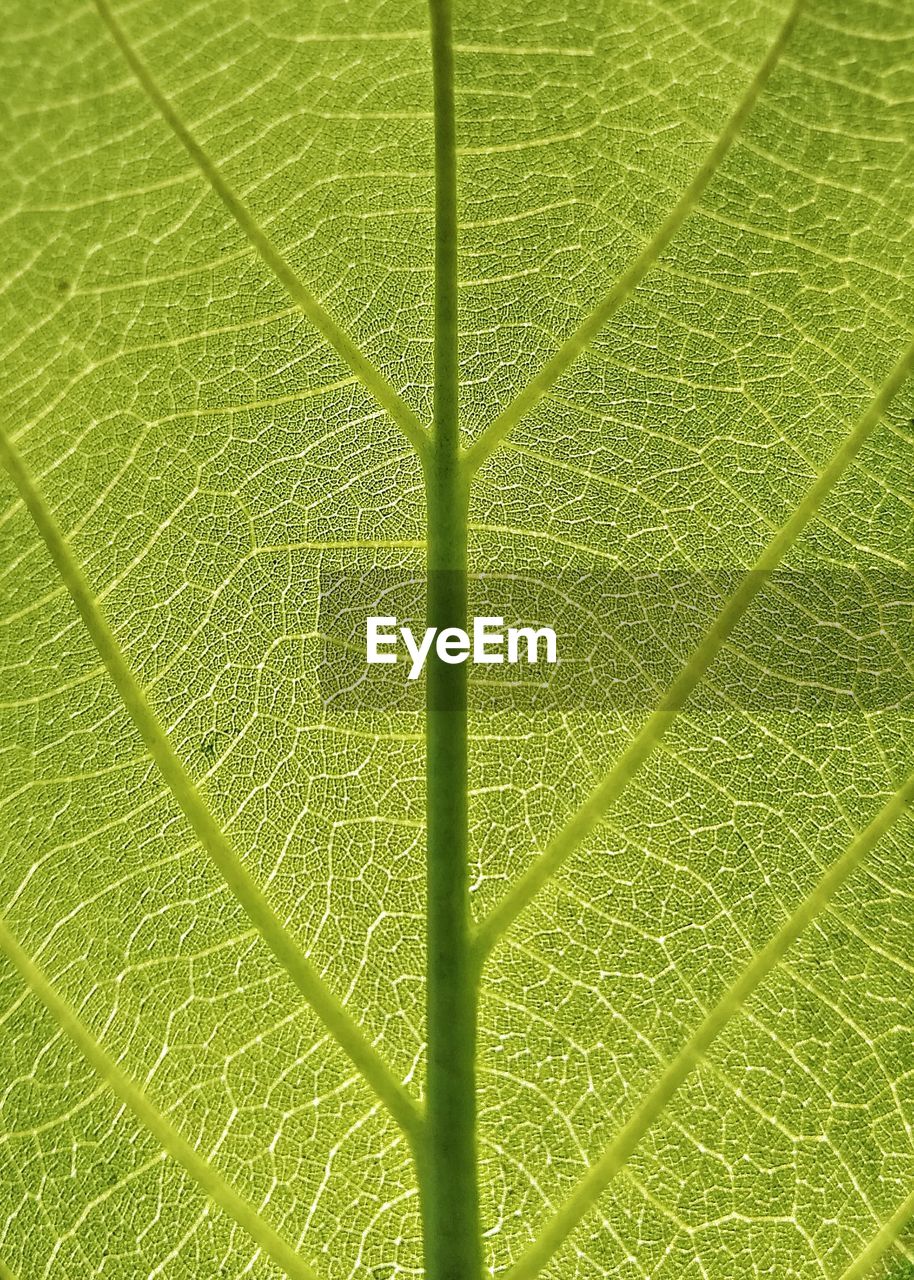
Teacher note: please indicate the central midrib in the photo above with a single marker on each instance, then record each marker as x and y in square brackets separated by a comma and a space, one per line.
[448, 1167]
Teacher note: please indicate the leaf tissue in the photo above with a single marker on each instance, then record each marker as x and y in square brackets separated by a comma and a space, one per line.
[594, 318]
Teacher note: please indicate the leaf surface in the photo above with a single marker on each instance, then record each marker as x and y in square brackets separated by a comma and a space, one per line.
[219, 472]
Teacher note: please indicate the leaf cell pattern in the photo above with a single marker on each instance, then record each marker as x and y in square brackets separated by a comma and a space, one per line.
[630, 286]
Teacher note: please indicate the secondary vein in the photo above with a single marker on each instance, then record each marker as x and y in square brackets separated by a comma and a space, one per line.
[881, 1242]
[332, 1014]
[132, 1095]
[622, 290]
[588, 816]
[598, 1177]
[370, 376]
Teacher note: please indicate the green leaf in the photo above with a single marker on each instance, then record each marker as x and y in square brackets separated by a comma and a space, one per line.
[599, 317]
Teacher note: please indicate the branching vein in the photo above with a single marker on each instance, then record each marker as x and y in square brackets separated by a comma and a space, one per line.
[881, 1242]
[589, 815]
[370, 376]
[132, 1095]
[442, 1134]
[598, 1177]
[622, 290]
[211, 836]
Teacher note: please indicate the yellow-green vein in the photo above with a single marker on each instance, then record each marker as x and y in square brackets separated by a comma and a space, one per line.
[368, 374]
[598, 1177]
[588, 816]
[881, 1242]
[622, 290]
[213, 839]
[131, 1094]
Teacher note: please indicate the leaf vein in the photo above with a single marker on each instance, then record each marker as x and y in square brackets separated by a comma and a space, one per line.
[590, 814]
[370, 376]
[213, 839]
[618, 1152]
[134, 1097]
[622, 290]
